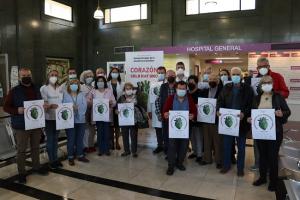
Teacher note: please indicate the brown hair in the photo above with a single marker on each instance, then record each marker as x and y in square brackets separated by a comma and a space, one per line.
[72, 82]
[128, 84]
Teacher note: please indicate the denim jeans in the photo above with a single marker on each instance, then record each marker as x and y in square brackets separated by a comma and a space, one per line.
[52, 140]
[227, 148]
[75, 140]
[103, 133]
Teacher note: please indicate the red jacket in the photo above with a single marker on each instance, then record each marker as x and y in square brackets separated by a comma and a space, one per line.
[169, 105]
[279, 85]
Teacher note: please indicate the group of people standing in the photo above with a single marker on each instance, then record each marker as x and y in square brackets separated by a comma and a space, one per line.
[177, 92]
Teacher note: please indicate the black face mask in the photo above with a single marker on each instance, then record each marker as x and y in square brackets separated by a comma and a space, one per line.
[212, 84]
[171, 79]
[191, 86]
[26, 80]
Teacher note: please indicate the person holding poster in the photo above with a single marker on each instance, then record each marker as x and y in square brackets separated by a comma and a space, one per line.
[75, 135]
[103, 130]
[178, 147]
[269, 149]
[180, 68]
[196, 135]
[72, 75]
[52, 96]
[129, 97]
[238, 96]
[14, 105]
[116, 85]
[154, 91]
[212, 140]
[166, 89]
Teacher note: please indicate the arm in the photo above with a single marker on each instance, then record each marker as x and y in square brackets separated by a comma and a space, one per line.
[284, 107]
[283, 89]
[112, 99]
[82, 104]
[221, 100]
[8, 105]
[167, 105]
[193, 108]
[157, 109]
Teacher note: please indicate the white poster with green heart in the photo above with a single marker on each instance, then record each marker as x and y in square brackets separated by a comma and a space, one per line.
[126, 114]
[207, 110]
[263, 124]
[101, 110]
[229, 122]
[64, 116]
[179, 124]
[34, 114]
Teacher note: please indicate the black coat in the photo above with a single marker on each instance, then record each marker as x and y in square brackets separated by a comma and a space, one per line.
[163, 94]
[278, 103]
[246, 101]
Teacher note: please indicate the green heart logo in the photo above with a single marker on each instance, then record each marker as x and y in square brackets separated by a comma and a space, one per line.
[228, 121]
[178, 123]
[206, 109]
[263, 123]
[64, 114]
[34, 113]
[126, 112]
[101, 109]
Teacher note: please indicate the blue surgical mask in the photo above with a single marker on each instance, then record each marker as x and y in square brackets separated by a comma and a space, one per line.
[236, 79]
[100, 85]
[74, 87]
[161, 77]
[180, 93]
[205, 77]
[89, 80]
[114, 75]
[224, 78]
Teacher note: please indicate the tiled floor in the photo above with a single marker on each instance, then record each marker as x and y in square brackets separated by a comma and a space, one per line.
[146, 170]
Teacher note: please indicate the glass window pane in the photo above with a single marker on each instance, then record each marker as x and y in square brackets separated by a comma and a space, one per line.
[192, 7]
[211, 6]
[248, 5]
[144, 11]
[127, 13]
[107, 16]
[58, 10]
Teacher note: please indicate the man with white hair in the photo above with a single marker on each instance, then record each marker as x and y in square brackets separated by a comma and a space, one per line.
[279, 86]
[239, 96]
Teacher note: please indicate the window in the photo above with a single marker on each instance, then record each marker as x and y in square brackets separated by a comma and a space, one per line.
[58, 10]
[194, 7]
[128, 13]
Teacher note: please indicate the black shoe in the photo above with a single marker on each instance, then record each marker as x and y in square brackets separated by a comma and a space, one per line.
[233, 160]
[272, 187]
[198, 159]
[135, 155]
[107, 154]
[71, 162]
[83, 159]
[59, 164]
[100, 154]
[22, 179]
[41, 171]
[192, 156]
[166, 158]
[204, 163]
[181, 167]
[259, 182]
[224, 170]
[53, 165]
[125, 154]
[170, 171]
[158, 150]
[219, 166]
[240, 173]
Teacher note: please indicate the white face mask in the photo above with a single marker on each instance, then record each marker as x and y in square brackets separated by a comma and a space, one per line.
[263, 71]
[180, 71]
[128, 92]
[53, 80]
[267, 87]
[161, 77]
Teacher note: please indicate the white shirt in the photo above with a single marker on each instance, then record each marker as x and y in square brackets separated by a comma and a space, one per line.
[51, 95]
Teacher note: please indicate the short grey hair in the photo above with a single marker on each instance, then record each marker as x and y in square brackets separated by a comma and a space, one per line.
[236, 68]
[262, 59]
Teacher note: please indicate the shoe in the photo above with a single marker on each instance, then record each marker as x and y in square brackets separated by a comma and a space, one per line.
[259, 182]
[41, 171]
[192, 156]
[204, 163]
[83, 159]
[53, 165]
[254, 168]
[224, 170]
[91, 150]
[166, 158]
[170, 171]
[272, 187]
[125, 154]
[59, 164]
[233, 160]
[198, 159]
[181, 167]
[118, 147]
[86, 150]
[240, 173]
[22, 179]
[135, 155]
[158, 150]
[219, 166]
[108, 153]
[100, 154]
[71, 162]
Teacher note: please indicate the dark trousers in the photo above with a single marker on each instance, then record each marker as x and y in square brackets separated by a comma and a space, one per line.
[132, 131]
[268, 159]
[75, 140]
[22, 138]
[159, 137]
[177, 151]
[52, 140]
[103, 132]
[165, 133]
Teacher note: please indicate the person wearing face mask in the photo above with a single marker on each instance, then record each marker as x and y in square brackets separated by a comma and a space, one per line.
[180, 68]
[75, 135]
[269, 149]
[14, 105]
[166, 89]
[279, 85]
[52, 96]
[161, 78]
[178, 147]
[72, 75]
[196, 136]
[86, 79]
[239, 96]
[116, 85]
[204, 83]
[129, 97]
[103, 130]
[212, 140]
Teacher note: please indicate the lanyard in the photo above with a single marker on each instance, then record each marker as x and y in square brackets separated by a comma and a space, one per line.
[74, 101]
